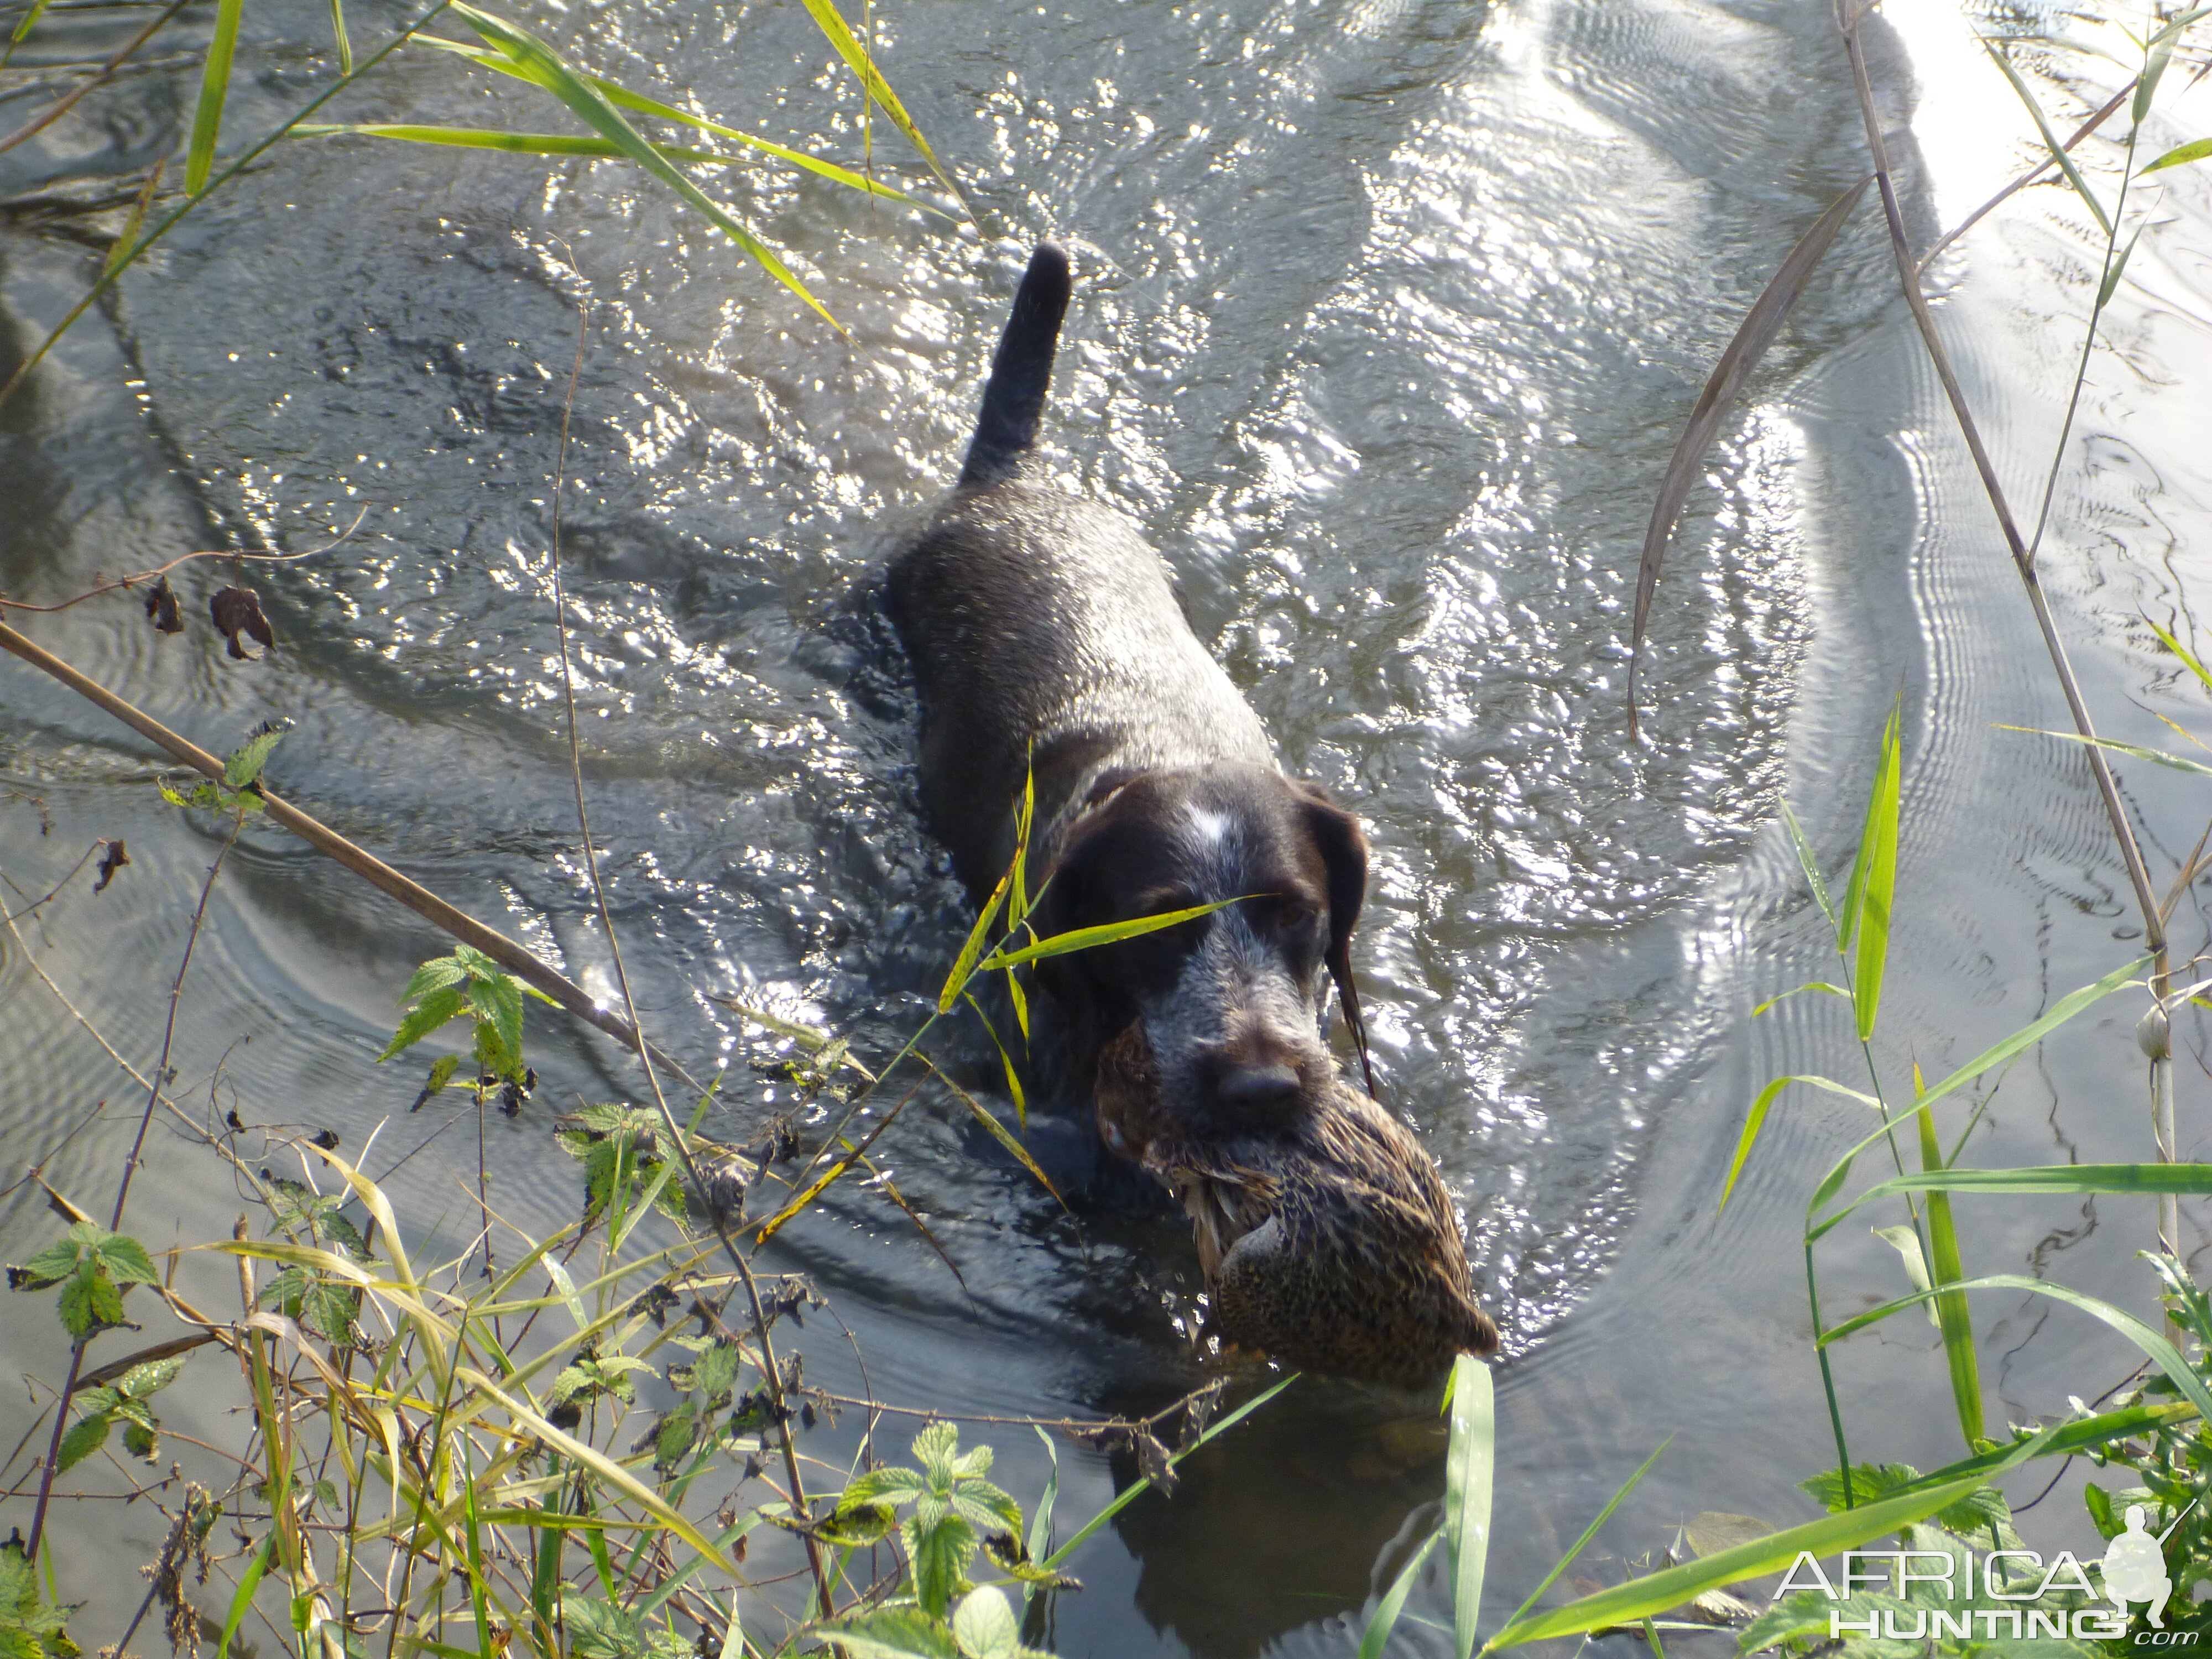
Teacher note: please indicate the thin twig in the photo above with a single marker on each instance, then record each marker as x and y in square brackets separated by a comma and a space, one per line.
[771, 1372]
[122, 1187]
[160, 570]
[511, 955]
[2024, 180]
[54, 111]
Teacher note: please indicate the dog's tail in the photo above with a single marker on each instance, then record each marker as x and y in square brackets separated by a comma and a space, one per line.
[1021, 371]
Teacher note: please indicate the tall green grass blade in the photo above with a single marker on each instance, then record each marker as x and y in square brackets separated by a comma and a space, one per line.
[1587, 1533]
[1006, 1059]
[215, 87]
[998, 1131]
[1137, 1488]
[2051, 140]
[547, 68]
[1799, 990]
[2161, 1352]
[1952, 1313]
[2079, 1434]
[30, 21]
[338, 35]
[2026, 1037]
[2204, 676]
[1756, 1119]
[1376, 1636]
[1877, 884]
[1654, 1593]
[241, 1600]
[2182, 155]
[472, 1538]
[659, 1596]
[2159, 756]
[519, 144]
[972, 949]
[1470, 1461]
[2156, 55]
[1040, 1538]
[2105, 289]
[1810, 865]
[2067, 1178]
[1086, 939]
[833, 26]
[622, 98]
[547, 1546]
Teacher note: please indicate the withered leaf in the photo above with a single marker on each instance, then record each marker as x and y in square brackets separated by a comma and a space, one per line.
[161, 607]
[1197, 1410]
[327, 1139]
[111, 860]
[237, 611]
[1152, 1460]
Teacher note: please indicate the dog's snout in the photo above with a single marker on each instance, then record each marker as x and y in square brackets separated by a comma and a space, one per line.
[1258, 1087]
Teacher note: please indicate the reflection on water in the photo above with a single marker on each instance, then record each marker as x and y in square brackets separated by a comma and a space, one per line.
[1387, 314]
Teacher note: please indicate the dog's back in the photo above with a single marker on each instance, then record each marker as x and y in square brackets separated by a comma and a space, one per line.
[1044, 630]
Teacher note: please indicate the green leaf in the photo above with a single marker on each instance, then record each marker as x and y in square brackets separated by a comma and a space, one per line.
[934, 1449]
[542, 64]
[1589, 1533]
[438, 1009]
[826, 18]
[972, 949]
[1000, 1132]
[339, 37]
[2162, 1353]
[883, 1485]
[1756, 1118]
[1040, 1537]
[497, 1000]
[142, 1440]
[1013, 1078]
[215, 86]
[938, 1550]
[241, 1600]
[30, 21]
[1086, 939]
[86, 1435]
[983, 1624]
[1377, 1637]
[435, 974]
[2204, 676]
[2157, 54]
[1875, 881]
[244, 767]
[517, 143]
[1810, 865]
[1809, 985]
[623, 98]
[2047, 1178]
[890, 1633]
[2182, 155]
[2113, 274]
[2158, 755]
[2051, 140]
[1470, 1459]
[49, 1267]
[89, 1303]
[124, 1258]
[1952, 1312]
[1654, 1593]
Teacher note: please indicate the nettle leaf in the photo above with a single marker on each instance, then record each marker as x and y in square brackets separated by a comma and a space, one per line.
[715, 1375]
[86, 1435]
[49, 1267]
[892, 1486]
[890, 1633]
[984, 1626]
[940, 1554]
[859, 1527]
[497, 1000]
[435, 974]
[677, 1434]
[142, 1440]
[985, 1507]
[124, 1257]
[90, 1303]
[244, 767]
[932, 1449]
[439, 1008]
[151, 1378]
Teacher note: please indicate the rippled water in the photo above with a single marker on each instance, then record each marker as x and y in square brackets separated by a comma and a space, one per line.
[1387, 315]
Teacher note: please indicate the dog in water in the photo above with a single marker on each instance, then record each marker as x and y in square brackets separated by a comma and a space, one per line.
[1047, 643]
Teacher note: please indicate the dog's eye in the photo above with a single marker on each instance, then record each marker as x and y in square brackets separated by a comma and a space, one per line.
[1291, 916]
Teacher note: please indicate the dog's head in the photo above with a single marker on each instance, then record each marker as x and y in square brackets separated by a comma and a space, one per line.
[1226, 1003]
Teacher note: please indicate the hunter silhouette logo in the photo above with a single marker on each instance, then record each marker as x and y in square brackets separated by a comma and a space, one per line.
[2134, 1568]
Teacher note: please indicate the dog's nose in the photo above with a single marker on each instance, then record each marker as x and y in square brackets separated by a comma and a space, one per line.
[1259, 1088]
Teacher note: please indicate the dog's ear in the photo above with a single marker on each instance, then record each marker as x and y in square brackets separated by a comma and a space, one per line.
[1065, 903]
[1343, 847]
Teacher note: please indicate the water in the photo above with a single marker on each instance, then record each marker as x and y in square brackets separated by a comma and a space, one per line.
[1388, 313]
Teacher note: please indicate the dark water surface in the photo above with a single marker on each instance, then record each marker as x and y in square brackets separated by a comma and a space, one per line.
[1387, 313]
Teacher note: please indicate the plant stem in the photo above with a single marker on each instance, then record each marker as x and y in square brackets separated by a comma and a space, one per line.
[1828, 1380]
[122, 1187]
